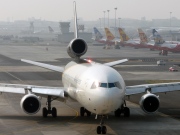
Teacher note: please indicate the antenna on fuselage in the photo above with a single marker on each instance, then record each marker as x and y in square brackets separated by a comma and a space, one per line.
[75, 21]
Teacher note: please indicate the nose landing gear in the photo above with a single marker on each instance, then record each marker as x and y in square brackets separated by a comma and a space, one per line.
[101, 129]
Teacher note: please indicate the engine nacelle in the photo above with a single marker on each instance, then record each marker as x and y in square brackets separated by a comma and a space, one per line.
[30, 104]
[77, 48]
[149, 103]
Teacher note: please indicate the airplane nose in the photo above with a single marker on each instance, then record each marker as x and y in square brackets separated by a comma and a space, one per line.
[109, 100]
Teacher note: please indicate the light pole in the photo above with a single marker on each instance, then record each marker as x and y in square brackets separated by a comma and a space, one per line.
[119, 22]
[104, 17]
[170, 18]
[108, 17]
[100, 22]
[115, 22]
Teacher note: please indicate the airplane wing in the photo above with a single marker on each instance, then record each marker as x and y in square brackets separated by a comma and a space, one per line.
[115, 62]
[47, 66]
[38, 90]
[153, 88]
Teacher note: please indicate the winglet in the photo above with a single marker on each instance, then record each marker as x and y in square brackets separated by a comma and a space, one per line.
[75, 21]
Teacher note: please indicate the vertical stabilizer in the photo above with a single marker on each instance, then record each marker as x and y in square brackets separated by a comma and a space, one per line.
[123, 35]
[157, 37]
[75, 21]
[98, 35]
[109, 35]
[142, 36]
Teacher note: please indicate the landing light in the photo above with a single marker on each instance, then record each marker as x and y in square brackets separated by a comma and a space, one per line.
[89, 60]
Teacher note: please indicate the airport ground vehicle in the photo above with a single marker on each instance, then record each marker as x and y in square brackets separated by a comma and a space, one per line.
[161, 62]
[172, 69]
[163, 52]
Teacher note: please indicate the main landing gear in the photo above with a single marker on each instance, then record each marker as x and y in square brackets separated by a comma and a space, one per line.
[125, 110]
[83, 111]
[101, 129]
[49, 110]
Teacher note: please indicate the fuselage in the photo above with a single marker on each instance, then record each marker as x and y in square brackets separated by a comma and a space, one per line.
[99, 88]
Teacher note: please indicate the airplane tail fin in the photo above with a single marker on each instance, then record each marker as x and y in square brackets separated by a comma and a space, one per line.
[50, 29]
[142, 36]
[109, 35]
[75, 22]
[98, 35]
[123, 35]
[157, 37]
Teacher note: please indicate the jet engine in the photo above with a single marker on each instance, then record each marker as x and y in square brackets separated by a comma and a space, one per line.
[77, 48]
[149, 103]
[30, 104]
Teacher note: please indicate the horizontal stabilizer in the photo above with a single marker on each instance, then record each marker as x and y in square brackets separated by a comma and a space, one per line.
[115, 62]
[47, 66]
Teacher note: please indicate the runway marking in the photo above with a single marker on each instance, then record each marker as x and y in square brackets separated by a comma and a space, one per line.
[13, 76]
[77, 113]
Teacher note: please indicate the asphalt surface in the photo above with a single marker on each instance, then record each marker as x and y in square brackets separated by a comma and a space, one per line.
[138, 70]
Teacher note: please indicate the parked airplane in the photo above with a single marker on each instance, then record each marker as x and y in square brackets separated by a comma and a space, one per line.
[125, 40]
[144, 41]
[98, 36]
[109, 40]
[99, 88]
[161, 44]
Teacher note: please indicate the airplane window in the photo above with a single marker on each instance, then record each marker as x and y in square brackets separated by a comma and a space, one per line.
[111, 85]
[117, 84]
[104, 85]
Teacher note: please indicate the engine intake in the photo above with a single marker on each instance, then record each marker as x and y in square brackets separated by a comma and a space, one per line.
[30, 104]
[149, 103]
[77, 48]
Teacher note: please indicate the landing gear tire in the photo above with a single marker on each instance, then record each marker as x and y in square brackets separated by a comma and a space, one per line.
[48, 110]
[82, 111]
[99, 130]
[88, 113]
[54, 112]
[45, 112]
[126, 112]
[118, 112]
[103, 129]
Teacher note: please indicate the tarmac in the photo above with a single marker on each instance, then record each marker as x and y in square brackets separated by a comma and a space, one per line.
[13, 121]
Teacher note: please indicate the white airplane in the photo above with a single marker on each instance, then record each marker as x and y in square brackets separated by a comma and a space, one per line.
[99, 88]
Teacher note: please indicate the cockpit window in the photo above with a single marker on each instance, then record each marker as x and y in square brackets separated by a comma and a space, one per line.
[104, 85]
[117, 84]
[95, 85]
[111, 85]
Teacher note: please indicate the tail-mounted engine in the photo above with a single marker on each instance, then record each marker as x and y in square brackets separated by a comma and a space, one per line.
[149, 103]
[30, 104]
[77, 48]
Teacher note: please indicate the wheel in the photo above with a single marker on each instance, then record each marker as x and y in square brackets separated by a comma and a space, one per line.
[98, 130]
[126, 112]
[88, 113]
[45, 112]
[118, 112]
[103, 129]
[54, 112]
[82, 110]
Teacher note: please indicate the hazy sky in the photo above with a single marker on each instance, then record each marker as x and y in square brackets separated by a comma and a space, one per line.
[56, 10]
